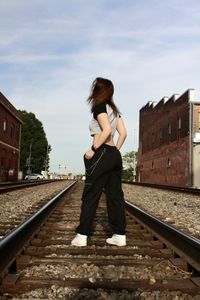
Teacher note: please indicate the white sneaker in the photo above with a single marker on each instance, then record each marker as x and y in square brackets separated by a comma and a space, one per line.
[80, 240]
[117, 239]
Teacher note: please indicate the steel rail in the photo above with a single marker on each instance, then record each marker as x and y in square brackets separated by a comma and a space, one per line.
[12, 243]
[166, 187]
[186, 246]
[6, 187]
[19, 182]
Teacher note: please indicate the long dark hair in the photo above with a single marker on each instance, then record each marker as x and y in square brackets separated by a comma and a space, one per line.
[102, 91]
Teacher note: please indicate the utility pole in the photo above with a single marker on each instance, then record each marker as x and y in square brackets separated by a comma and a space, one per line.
[134, 159]
[29, 160]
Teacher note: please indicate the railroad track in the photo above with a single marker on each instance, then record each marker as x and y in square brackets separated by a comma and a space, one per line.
[11, 186]
[177, 206]
[166, 187]
[151, 261]
[8, 225]
[20, 213]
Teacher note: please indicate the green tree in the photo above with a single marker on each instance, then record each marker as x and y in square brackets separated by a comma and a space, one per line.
[129, 165]
[34, 141]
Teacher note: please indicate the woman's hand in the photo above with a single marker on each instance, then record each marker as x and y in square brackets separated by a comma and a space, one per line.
[89, 154]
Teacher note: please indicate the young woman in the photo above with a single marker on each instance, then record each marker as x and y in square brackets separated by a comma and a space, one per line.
[103, 165]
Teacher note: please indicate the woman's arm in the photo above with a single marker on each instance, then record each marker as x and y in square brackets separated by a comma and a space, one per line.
[122, 133]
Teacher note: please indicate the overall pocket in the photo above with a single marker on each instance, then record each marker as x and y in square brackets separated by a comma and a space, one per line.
[90, 164]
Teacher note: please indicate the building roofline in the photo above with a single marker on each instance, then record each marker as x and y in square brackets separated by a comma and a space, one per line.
[8, 105]
[165, 101]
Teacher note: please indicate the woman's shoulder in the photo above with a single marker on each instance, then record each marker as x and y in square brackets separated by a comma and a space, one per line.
[99, 108]
[103, 108]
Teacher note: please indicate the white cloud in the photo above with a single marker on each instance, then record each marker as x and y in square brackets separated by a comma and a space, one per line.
[51, 51]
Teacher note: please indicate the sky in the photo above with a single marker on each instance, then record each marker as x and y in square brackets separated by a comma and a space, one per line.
[52, 50]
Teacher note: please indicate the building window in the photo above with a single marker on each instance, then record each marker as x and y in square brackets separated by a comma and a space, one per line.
[198, 120]
[152, 165]
[170, 132]
[152, 140]
[169, 128]
[4, 126]
[179, 128]
[11, 131]
[17, 134]
[179, 122]
[169, 163]
[161, 136]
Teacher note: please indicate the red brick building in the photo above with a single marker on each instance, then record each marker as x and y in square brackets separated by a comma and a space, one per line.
[169, 141]
[10, 132]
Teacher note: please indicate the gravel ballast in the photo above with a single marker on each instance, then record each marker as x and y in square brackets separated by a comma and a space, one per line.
[17, 205]
[179, 209]
[159, 203]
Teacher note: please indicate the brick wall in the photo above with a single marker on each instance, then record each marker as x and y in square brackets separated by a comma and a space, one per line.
[167, 164]
[163, 155]
[10, 128]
